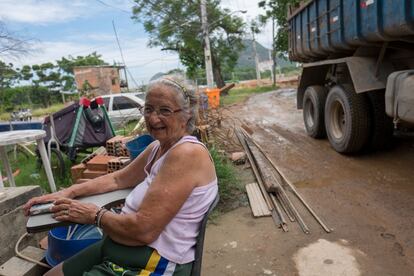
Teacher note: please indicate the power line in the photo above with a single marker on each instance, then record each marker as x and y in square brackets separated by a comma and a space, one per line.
[120, 50]
[114, 7]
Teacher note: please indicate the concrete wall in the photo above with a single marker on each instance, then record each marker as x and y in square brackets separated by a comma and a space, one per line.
[13, 221]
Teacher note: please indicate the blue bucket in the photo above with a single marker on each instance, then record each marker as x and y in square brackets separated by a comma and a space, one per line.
[62, 247]
[138, 145]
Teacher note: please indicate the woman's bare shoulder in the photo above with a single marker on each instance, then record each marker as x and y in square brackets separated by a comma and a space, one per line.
[190, 150]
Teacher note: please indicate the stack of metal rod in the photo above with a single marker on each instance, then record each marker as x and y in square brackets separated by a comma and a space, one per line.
[272, 183]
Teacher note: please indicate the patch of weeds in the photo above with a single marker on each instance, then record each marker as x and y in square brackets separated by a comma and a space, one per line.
[29, 171]
[239, 95]
[230, 187]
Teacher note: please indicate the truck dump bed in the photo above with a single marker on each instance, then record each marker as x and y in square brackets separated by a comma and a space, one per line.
[322, 29]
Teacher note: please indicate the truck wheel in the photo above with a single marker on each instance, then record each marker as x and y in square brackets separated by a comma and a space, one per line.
[346, 119]
[382, 127]
[313, 111]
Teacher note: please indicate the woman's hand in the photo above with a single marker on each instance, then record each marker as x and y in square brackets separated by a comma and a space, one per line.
[44, 199]
[66, 209]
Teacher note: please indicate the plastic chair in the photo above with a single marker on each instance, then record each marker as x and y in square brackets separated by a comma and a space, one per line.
[196, 269]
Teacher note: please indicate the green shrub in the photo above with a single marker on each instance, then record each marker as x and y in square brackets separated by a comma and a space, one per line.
[228, 181]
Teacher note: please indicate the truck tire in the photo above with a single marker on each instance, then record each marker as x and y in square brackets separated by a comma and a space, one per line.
[347, 119]
[313, 111]
[382, 127]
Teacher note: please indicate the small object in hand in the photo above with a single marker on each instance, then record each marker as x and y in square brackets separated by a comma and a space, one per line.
[38, 209]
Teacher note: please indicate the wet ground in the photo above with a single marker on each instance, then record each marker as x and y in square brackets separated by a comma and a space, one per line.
[367, 200]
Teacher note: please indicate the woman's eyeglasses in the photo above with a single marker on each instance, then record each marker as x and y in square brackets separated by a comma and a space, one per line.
[163, 111]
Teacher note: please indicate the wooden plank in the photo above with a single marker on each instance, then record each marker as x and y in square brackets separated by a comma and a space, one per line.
[240, 136]
[257, 202]
[259, 197]
[265, 169]
[254, 205]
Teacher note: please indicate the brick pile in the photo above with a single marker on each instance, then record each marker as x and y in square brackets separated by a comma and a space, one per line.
[104, 160]
[117, 163]
[116, 146]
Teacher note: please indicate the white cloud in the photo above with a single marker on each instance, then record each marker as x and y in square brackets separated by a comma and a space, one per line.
[143, 62]
[37, 12]
[253, 10]
[92, 37]
[53, 11]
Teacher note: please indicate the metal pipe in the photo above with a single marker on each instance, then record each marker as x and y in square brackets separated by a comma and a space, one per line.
[279, 212]
[326, 228]
[288, 212]
[301, 222]
[255, 171]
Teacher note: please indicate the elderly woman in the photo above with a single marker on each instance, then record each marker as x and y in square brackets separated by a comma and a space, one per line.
[174, 183]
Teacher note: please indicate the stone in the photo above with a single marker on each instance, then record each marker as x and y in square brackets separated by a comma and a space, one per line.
[13, 220]
[20, 267]
[238, 157]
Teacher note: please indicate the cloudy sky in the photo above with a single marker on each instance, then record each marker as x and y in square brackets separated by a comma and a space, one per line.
[79, 27]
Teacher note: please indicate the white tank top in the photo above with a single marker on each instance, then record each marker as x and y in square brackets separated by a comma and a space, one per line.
[176, 242]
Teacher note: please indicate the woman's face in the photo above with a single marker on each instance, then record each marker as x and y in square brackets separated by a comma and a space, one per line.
[163, 115]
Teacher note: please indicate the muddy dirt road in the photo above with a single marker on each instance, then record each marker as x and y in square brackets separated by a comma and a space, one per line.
[367, 200]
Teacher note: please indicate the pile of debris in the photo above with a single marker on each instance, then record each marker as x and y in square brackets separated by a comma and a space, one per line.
[269, 195]
[215, 128]
[102, 161]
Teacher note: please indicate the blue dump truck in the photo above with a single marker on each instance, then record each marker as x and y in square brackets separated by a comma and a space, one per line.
[357, 83]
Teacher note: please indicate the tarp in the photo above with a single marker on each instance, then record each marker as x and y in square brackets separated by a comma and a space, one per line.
[88, 134]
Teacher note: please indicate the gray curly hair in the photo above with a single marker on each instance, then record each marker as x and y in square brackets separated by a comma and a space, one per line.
[185, 94]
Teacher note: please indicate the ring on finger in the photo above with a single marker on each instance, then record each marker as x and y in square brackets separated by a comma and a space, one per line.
[66, 212]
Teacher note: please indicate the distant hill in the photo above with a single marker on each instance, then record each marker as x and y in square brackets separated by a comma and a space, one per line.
[246, 58]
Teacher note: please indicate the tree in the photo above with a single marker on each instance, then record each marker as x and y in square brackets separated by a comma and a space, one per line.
[175, 26]
[66, 66]
[47, 83]
[11, 45]
[8, 75]
[278, 10]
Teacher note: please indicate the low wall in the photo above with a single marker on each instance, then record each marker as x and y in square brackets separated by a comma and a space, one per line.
[13, 220]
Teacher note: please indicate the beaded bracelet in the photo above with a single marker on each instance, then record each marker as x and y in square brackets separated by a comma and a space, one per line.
[98, 217]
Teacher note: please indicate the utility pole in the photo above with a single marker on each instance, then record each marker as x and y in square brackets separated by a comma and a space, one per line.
[122, 56]
[273, 51]
[207, 52]
[271, 68]
[256, 59]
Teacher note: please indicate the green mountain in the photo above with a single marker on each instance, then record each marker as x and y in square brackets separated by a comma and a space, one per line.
[246, 58]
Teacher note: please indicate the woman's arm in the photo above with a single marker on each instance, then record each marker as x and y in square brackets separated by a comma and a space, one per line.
[185, 167]
[127, 177]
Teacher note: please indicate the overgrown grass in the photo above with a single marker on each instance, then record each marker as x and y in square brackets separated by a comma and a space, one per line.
[228, 180]
[239, 95]
[31, 173]
[39, 112]
[126, 129]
